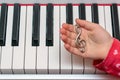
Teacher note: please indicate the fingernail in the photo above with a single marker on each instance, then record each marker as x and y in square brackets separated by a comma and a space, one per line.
[63, 24]
[76, 20]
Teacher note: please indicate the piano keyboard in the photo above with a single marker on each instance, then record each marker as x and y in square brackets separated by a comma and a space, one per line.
[30, 39]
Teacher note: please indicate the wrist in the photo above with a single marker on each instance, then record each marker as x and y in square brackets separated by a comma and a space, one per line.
[107, 48]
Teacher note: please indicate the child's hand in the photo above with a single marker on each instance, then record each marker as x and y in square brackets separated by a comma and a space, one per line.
[98, 40]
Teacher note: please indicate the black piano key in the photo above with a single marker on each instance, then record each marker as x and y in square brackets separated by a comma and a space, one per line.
[82, 13]
[3, 24]
[49, 25]
[36, 25]
[115, 21]
[95, 16]
[16, 25]
[69, 14]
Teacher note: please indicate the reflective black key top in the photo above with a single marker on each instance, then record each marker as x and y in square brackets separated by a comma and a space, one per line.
[36, 25]
[3, 24]
[115, 21]
[16, 25]
[82, 12]
[95, 16]
[69, 14]
[49, 25]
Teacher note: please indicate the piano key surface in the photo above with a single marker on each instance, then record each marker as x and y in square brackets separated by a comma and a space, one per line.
[18, 51]
[30, 52]
[65, 63]
[6, 53]
[49, 25]
[108, 21]
[42, 50]
[3, 22]
[36, 25]
[16, 25]
[115, 21]
[54, 51]
[43, 59]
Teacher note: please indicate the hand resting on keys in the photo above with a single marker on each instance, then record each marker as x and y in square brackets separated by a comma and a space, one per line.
[100, 46]
[98, 41]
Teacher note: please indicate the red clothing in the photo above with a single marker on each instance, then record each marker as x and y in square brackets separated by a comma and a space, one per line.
[111, 64]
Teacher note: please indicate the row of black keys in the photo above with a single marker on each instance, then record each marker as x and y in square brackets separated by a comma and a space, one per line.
[49, 22]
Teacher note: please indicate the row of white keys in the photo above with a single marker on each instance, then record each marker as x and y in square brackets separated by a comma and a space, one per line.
[54, 50]
[65, 62]
[42, 50]
[18, 51]
[37, 58]
[89, 68]
[77, 60]
[30, 51]
[6, 56]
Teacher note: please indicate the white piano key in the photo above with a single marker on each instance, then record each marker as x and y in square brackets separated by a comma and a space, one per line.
[89, 68]
[18, 53]
[66, 65]
[42, 50]
[108, 19]
[30, 51]
[6, 56]
[54, 50]
[102, 23]
[101, 16]
[77, 60]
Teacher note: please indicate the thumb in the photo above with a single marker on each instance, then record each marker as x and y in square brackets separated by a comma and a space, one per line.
[86, 24]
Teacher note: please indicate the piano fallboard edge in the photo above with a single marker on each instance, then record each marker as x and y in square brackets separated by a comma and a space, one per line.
[57, 77]
[60, 1]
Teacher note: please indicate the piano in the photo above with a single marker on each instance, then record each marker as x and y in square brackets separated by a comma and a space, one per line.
[30, 45]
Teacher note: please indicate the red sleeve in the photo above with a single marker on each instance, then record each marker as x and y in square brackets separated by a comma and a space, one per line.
[111, 64]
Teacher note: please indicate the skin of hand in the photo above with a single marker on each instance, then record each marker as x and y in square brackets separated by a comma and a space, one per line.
[98, 40]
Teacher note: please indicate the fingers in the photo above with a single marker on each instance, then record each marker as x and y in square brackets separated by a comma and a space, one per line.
[68, 34]
[86, 25]
[73, 50]
[68, 27]
[68, 30]
[69, 41]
